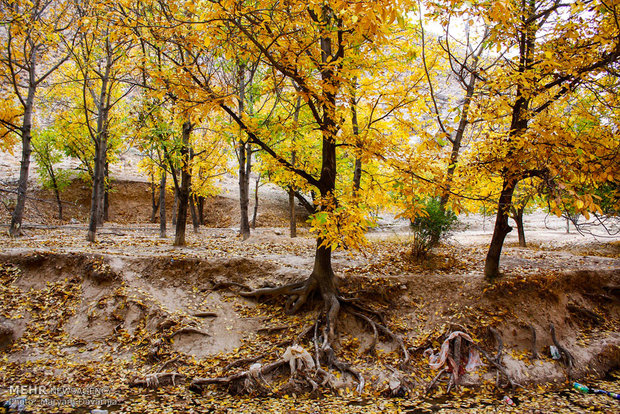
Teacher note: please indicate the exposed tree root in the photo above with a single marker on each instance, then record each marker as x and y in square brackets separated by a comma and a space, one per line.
[498, 366]
[297, 293]
[566, 357]
[205, 315]
[273, 329]
[433, 382]
[534, 350]
[380, 327]
[584, 313]
[159, 379]
[169, 362]
[314, 372]
[498, 355]
[186, 331]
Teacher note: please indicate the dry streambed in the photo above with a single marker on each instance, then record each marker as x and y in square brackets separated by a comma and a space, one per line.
[114, 319]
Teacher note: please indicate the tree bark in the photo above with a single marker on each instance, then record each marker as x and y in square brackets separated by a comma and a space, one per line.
[195, 221]
[291, 189]
[105, 216]
[179, 238]
[244, 158]
[322, 272]
[201, 210]
[501, 230]
[357, 169]
[15, 229]
[56, 192]
[101, 148]
[154, 200]
[255, 213]
[97, 191]
[517, 216]
[162, 205]
[175, 206]
[292, 215]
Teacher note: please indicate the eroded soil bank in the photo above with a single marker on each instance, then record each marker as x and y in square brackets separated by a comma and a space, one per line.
[107, 314]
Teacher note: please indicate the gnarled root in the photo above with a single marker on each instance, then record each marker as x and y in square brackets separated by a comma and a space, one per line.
[159, 379]
[298, 293]
[566, 357]
[313, 372]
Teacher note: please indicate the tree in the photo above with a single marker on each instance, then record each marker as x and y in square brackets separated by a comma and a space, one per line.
[550, 51]
[47, 153]
[101, 71]
[29, 55]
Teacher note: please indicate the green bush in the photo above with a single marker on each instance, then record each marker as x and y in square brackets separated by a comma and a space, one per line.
[430, 228]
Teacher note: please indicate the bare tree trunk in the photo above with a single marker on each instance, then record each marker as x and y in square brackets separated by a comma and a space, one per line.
[154, 201]
[56, 193]
[291, 189]
[201, 210]
[15, 229]
[517, 216]
[255, 213]
[194, 213]
[96, 195]
[292, 215]
[162, 205]
[179, 238]
[107, 184]
[323, 273]
[101, 150]
[244, 158]
[175, 207]
[357, 169]
[501, 230]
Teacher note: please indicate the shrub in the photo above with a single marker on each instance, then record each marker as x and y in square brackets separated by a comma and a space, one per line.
[430, 228]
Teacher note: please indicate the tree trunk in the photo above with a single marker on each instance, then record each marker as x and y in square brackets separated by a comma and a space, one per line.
[175, 206]
[456, 143]
[195, 221]
[154, 201]
[15, 229]
[517, 216]
[179, 238]
[501, 230]
[50, 170]
[201, 210]
[357, 169]
[255, 213]
[291, 189]
[162, 205]
[96, 194]
[244, 158]
[101, 149]
[322, 272]
[292, 215]
[106, 191]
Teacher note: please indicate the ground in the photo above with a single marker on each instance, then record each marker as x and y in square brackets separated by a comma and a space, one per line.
[106, 315]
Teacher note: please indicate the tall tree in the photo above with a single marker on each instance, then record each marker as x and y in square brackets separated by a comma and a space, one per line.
[551, 50]
[101, 71]
[30, 52]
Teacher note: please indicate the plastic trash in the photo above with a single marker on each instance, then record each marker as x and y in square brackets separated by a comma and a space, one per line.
[508, 401]
[95, 411]
[580, 387]
[585, 389]
[555, 354]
